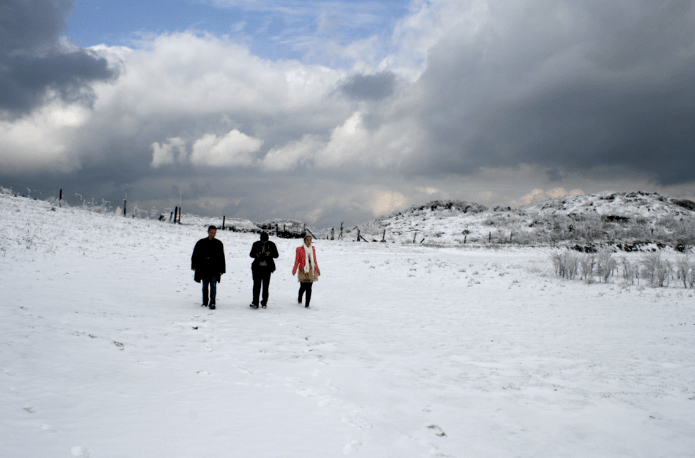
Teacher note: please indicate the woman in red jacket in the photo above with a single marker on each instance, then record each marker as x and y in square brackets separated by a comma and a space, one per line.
[305, 262]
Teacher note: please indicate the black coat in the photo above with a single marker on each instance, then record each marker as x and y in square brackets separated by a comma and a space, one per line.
[258, 253]
[208, 259]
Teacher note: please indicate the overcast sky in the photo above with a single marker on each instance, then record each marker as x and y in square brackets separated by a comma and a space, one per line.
[330, 111]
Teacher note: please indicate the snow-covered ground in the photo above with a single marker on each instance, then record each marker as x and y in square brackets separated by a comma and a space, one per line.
[406, 351]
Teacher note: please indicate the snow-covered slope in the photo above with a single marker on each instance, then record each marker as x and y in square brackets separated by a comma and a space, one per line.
[614, 218]
[407, 351]
[626, 204]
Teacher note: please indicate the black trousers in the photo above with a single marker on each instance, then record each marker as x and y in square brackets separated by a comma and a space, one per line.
[261, 277]
[212, 284]
[305, 286]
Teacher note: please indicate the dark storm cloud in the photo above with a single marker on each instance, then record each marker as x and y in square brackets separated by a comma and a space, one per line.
[613, 87]
[32, 61]
[369, 87]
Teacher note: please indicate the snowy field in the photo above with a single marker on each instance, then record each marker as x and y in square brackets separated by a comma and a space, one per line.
[406, 351]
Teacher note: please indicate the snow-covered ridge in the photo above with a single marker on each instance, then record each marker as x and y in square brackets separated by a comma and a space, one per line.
[625, 219]
[625, 204]
[614, 218]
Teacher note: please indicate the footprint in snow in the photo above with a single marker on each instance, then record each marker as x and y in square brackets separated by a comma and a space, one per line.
[437, 430]
[330, 385]
[351, 447]
[80, 451]
[48, 428]
[29, 409]
[359, 423]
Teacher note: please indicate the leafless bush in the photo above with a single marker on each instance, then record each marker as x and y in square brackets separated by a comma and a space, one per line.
[630, 271]
[663, 273]
[691, 275]
[656, 269]
[587, 263]
[683, 267]
[606, 264]
[558, 264]
[566, 265]
[649, 262]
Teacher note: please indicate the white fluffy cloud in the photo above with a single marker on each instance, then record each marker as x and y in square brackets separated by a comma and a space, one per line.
[350, 143]
[288, 156]
[169, 152]
[177, 86]
[187, 74]
[232, 149]
[42, 140]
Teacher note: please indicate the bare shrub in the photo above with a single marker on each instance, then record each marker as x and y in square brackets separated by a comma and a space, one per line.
[683, 269]
[630, 271]
[691, 275]
[558, 264]
[566, 265]
[663, 273]
[606, 264]
[572, 265]
[656, 269]
[587, 262]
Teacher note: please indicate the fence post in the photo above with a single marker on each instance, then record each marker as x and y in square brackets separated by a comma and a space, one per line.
[383, 236]
[223, 218]
[60, 200]
[358, 235]
[179, 215]
[414, 237]
[341, 231]
[125, 204]
[489, 237]
[332, 233]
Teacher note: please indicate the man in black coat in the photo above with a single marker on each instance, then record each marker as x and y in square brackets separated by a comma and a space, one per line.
[209, 265]
[263, 253]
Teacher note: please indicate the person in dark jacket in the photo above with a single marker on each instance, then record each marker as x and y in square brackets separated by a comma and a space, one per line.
[263, 253]
[209, 265]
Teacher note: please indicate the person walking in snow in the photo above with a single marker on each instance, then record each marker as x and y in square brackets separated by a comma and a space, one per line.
[209, 265]
[264, 253]
[305, 263]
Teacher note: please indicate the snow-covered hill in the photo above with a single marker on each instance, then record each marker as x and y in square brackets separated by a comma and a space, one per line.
[587, 219]
[407, 350]
[631, 205]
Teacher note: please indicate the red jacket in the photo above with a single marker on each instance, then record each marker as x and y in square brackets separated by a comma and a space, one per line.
[300, 260]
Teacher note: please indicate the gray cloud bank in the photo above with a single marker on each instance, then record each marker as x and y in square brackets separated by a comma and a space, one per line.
[34, 61]
[477, 100]
[575, 85]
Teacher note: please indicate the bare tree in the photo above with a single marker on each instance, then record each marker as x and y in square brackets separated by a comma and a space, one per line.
[606, 264]
[683, 268]
[656, 269]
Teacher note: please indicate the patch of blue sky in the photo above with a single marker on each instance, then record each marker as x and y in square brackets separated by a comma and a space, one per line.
[272, 29]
